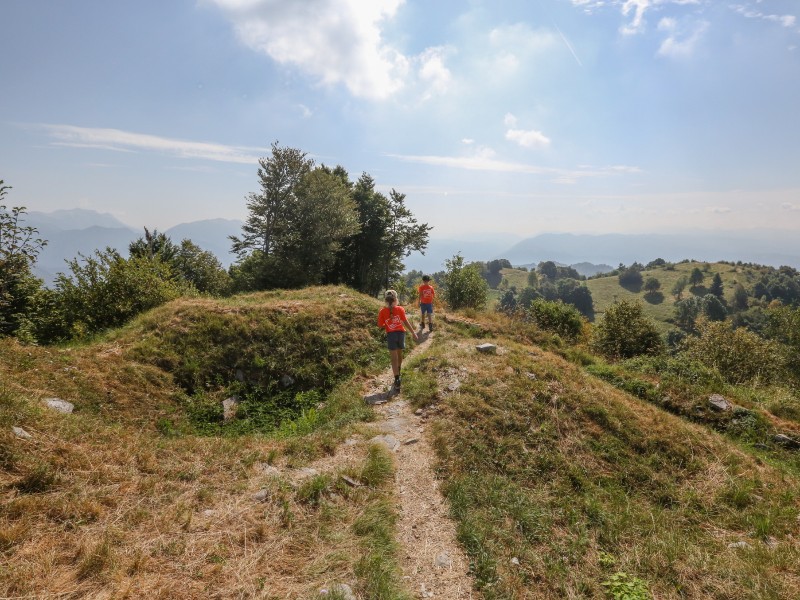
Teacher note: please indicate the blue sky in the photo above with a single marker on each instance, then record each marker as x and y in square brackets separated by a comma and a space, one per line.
[490, 115]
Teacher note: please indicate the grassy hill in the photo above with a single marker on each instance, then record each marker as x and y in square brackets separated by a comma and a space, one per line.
[566, 477]
[607, 290]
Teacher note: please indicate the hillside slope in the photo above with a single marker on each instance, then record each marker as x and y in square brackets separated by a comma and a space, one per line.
[560, 485]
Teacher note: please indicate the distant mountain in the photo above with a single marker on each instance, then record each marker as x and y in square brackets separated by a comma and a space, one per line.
[79, 231]
[766, 247]
[211, 235]
[482, 247]
[75, 218]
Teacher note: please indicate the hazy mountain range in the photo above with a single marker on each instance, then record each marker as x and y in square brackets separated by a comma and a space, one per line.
[80, 231]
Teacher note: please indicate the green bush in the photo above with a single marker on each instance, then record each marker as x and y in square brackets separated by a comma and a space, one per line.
[464, 286]
[739, 355]
[624, 332]
[560, 318]
[622, 586]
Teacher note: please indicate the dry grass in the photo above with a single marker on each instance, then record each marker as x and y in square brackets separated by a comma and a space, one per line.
[578, 480]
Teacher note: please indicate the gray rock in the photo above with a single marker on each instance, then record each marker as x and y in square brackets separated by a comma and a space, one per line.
[786, 441]
[21, 433]
[387, 440]
[229, 408]
[271, 470]
[59, 405]
[349, 481]
[530, 375]
[487, 348]
[739, 545]
[453, 385]
[287, 380]
[515, 561]
[419, 412]
[342, 589]
[771, 543]
[239, 375]
[261, 495]
[719, 403]
[443, 560]
[209, 513]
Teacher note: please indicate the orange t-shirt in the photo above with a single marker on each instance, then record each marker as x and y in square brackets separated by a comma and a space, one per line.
[426, 294]
[393, 321]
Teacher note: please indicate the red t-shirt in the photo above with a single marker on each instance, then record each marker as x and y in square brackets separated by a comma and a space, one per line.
[426, 294]
[392, 321]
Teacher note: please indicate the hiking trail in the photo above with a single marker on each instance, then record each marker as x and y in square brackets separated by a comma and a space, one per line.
[432, 561]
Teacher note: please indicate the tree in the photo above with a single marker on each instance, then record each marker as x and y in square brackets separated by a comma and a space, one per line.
[717, 288]
[573, 293]
[741, 298]
[19, 249]
[266, 225]
[464, 286]
[388, 232]
[624, 332]
[713, 308]
[153, 245]
[557, 317]
[533, 279]
[548, 269]
[322, 215]
[686, 313]
[652, 285]
[631, 277]
[696, 277]
[680, 285]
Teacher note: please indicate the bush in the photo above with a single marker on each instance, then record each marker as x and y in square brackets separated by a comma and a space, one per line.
[557, 317]
[625, 332]
[464, 286]
[739, 355]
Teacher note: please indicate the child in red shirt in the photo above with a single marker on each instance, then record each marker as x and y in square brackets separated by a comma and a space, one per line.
[426, 295]
[392, 318]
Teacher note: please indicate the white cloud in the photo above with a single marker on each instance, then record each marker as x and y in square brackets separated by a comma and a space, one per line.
[525, 138]
[126, 141]
[467, 141]
[484, 160]
[790, 206]
[305, 111]
[633, 10]
[749, 13]
[528, 139]
[337, 42]
[680, 43]
[433, 71]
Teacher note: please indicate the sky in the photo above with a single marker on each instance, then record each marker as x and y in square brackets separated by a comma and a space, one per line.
[492, 116]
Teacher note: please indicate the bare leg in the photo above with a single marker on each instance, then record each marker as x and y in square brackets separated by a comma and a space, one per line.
[397, 359]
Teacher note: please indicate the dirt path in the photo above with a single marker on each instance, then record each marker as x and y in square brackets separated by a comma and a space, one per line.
[434, 565]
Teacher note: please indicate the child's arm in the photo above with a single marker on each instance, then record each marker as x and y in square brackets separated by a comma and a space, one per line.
[410, 328]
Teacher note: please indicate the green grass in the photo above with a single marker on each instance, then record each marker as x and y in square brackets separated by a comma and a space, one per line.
[599, 494]
[607, 290]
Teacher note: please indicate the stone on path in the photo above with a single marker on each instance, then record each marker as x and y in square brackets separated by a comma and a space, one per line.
[21, 433]
[387, 440]
[59, 405]
[419, 412]
[412, 440]
[443, 560]
[487, 348]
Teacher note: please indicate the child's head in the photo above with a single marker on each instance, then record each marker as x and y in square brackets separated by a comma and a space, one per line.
[390, 297]
[426, 278]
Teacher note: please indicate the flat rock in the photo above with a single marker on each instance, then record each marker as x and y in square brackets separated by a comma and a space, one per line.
[59, 405]
[443, 560]
[261, 495]
[387, 440]
[343, 590]
[515, 561]
[229, 408]
[412, 440]
[350, 481]
[21, 433]
[453, 385]
[419, 412]
[739, 545]
[719, 403]
[785, 441]
[487, 348]
[271, 470]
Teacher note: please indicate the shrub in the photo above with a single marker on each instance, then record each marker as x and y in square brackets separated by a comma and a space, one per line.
[624, 332]
[464, 286]
[739, 355]
[557, 317]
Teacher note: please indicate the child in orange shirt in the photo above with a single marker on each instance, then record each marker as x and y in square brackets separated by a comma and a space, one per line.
[392, 318]
[426, 295]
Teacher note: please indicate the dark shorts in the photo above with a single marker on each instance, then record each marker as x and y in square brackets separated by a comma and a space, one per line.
[426, 307]
[396, 340]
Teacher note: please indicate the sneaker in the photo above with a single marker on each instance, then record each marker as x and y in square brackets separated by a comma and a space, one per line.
[430, 326]
[397, 383]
